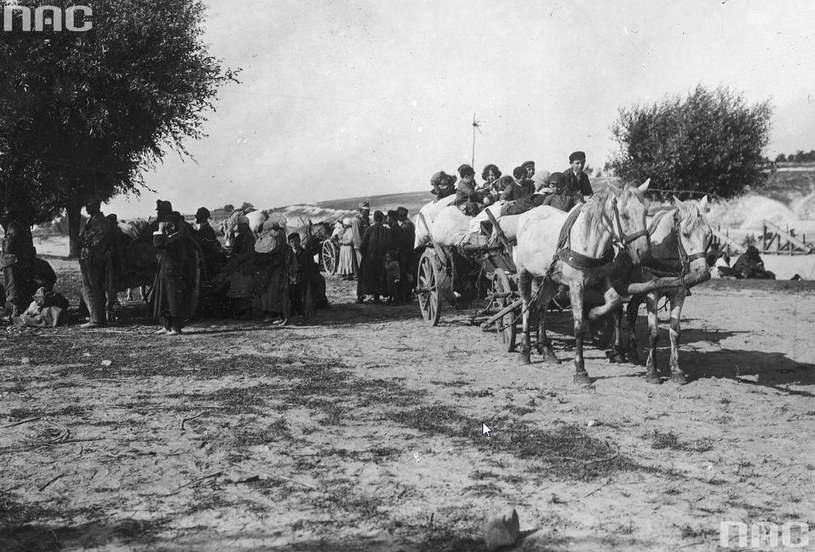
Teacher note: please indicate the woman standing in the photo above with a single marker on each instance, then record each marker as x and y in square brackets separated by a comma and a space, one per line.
[168, 289]
[347, 256]
[241, 267]
[274, 296]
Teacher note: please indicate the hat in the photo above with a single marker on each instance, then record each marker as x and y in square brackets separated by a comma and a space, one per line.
[441, 178]
[294, 235]
[401, 211]
[164, 206]
[202, 214]
[242, 220]
[557, 179]
[392, 213]
[581, 155]
[365, 205]
[465, 170]
[526, 164]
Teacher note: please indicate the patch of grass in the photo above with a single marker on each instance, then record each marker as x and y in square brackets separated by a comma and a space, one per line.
[688, 532]
[669, 440]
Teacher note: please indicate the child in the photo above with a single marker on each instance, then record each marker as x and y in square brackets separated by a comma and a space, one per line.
[392, 272]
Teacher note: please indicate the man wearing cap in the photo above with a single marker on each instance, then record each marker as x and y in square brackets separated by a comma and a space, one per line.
[576, 180]
[208, 240]
[468, 200]
[93, 242]
[359, 224]
[443, 184]
[560, 198]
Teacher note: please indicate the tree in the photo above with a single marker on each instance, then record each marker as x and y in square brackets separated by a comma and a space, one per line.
[710, 142]
[780, 158]
[246, 206]
[84, 114]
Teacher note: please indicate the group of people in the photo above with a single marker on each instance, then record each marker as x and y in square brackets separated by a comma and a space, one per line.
[378, 253]
[516, 193]
[267, 272]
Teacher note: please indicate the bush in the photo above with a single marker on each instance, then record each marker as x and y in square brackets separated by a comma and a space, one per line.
[711, 142]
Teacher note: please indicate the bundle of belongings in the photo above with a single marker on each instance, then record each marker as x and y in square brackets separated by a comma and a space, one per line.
[49, 309]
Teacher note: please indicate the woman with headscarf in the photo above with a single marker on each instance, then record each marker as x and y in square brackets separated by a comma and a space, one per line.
[241, 268]
[347, 256]
[276, 261]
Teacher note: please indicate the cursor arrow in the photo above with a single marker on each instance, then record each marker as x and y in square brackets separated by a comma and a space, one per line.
[485, 431]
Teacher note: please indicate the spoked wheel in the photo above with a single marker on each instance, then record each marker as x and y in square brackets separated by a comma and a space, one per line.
[507, 325]
[330, 255]
[427, 288]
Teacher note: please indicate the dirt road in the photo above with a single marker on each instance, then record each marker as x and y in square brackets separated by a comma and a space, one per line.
[363, 432]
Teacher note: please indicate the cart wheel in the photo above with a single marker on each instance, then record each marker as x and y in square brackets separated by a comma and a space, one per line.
[507, 326]
[330, 254]
[427, 288]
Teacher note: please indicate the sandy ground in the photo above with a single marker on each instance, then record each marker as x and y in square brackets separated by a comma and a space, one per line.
[362, 431]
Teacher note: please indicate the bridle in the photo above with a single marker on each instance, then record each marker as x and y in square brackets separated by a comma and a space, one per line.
[662, 266]
[619, 237]
[685, 259]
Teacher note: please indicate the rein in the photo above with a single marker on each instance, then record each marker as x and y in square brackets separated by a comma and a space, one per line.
[672, 266]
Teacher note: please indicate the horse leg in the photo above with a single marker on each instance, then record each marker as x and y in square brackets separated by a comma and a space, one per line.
[631, 312]
[525, 289]
[547, 291]
[677, 300]
[617, 353]
[651, 375]
[576, 292]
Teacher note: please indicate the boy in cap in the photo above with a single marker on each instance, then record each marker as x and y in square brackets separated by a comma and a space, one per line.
[560, 198]
[468, 200]
[577, 181]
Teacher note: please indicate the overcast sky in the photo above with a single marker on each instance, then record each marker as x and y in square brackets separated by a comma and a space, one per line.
[355, 98]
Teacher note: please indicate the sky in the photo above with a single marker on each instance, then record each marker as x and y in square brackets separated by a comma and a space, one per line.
[352, 98]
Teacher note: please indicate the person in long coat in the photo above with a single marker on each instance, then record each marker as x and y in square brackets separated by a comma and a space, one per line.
[276, 262]
[375, 243]
[241, 268]
[168, 288]
[347, 256]
[94, 240]
[17, 262]
[407, 239]
[359, 224]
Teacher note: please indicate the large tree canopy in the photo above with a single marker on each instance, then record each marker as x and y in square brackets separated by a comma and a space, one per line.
[710, 142]
[83, 114]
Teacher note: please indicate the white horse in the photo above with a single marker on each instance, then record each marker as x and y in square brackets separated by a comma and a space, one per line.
[679, 240]
[586, 259]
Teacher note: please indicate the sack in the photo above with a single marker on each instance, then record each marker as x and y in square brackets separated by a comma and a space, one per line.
[7, 260]
[267, 243]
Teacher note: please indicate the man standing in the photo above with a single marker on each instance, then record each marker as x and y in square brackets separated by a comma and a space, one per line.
[577, 182]
[375, 243]
[359, 225]
[407, 239]
[168, 289]
[209, 241]
[93, 242]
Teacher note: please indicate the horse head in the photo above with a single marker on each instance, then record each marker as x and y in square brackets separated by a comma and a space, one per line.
[624, 211]
[694, 234]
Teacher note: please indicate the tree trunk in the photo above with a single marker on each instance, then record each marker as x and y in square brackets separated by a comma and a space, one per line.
[73, 211]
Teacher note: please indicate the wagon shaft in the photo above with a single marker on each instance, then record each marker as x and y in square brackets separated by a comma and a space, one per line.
[668, 283]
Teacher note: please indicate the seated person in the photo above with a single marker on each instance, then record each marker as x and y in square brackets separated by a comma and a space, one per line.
[443, 184]
[519, 187]
[750, 265]
[577, 181]
[561, 197]
[468, 199]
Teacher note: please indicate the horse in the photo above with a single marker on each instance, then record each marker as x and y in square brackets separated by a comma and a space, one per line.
[577, 250]
[679, 238]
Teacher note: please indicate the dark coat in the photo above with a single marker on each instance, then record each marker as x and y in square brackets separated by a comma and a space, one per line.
[377, 241]
[575, 184]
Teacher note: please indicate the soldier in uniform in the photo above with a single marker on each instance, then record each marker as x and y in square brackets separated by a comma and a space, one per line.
[93, 243]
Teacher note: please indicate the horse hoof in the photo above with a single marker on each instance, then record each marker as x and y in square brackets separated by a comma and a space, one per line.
[679, 379]
[525, 359]
[653, 378]
[582, 378]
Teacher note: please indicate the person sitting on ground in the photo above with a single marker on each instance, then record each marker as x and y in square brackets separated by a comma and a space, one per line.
[392, 277]
[443, 185]
[48, 310]
[749, 265]
[560, 198]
